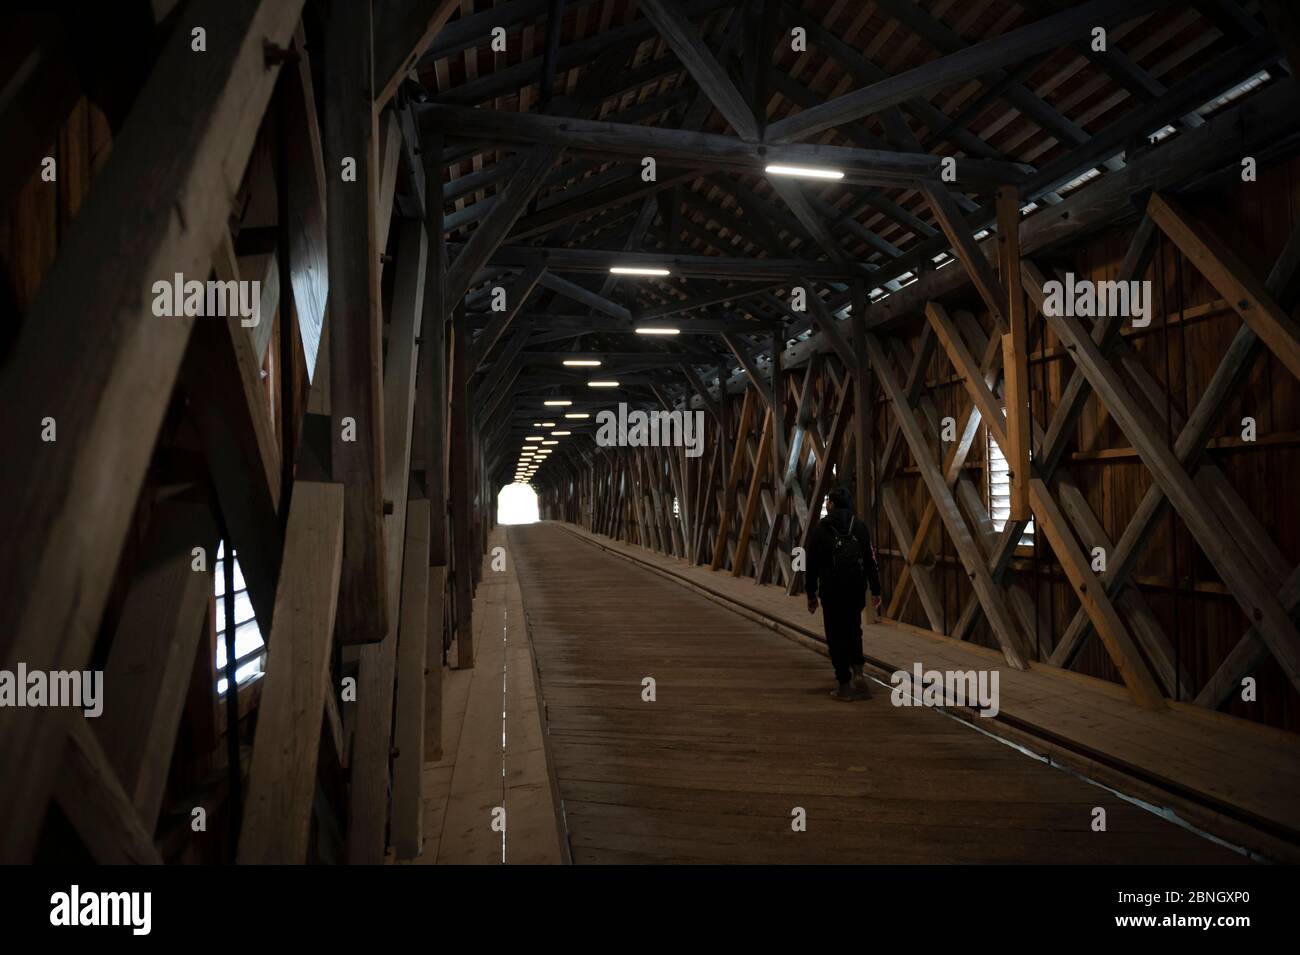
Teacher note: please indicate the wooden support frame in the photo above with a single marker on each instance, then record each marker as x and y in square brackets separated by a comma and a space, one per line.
[282, 777]
[1219, 543]
[1015, 352]
[68, 504]
[350, 131]
[990, 596]
[1087, 587]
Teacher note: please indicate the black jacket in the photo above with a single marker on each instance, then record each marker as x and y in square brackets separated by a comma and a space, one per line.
[820, 548]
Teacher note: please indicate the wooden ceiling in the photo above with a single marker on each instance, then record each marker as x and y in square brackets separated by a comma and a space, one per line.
[1057, 119]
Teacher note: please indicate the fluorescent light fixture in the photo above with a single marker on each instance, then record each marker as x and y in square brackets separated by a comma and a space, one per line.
[557, 404]
[577, 414]
[533, 437]
[658, 330]
[582, 362]
[560, 434]
[602, 384]
[804, 172]
[545, 443]
[636, 270]
[543, 424]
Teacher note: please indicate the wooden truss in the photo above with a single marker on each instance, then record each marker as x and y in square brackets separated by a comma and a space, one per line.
[350, 446]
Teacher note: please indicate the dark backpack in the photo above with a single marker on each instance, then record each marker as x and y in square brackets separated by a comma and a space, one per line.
[846, 573]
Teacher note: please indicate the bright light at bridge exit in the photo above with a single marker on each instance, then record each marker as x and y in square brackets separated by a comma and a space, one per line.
[517, 504]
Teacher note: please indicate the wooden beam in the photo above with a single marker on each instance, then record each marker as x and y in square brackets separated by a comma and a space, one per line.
[68, 504]
[964, 246]
[93, 799]
[412, 664]
[152, 653]
[1262, 119]
[760, 384]
[459, 481]
[754, 495]
[491, 232]
[308, 254]
[738, 268]
[282, 776]
[671, 22]
[697, 150]
[990, 596]
[577, 293]
[355, 335]
[732, 480]
[375, 683]
[222, 377]
[403, 31]
[1015, 352]
[496, 327]
[827, 324]
[1232, 277]
[1218, 543]
[1012, 47]
[1087, 587]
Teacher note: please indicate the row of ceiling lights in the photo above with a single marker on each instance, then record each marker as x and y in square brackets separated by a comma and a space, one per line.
[537, 447]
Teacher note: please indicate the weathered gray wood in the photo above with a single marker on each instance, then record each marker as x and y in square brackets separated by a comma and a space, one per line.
[527, 179]
[222, 377]
[355, 337]
[375, 684]
[67, 505]
[412, 644]
[585, 296]
[282, 777]
[707, 150]
[498, 324]
[671, 22]
[152, 654]
[1011, 47]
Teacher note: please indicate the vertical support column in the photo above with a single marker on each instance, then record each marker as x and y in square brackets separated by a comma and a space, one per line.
[355, 341]
[431, 399]
[1015, 351]
[862, 433]
[460, 470]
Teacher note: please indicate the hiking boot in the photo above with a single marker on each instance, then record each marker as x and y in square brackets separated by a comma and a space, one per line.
[860, 685]
[844, 693]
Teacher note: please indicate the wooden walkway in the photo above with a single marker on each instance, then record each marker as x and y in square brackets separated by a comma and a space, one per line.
[493, 755]
[742, 734]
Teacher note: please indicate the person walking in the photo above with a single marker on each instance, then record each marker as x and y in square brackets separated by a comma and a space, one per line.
[841, 567]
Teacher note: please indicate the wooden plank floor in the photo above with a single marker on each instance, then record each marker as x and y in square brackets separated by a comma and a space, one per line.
[1228, 776]
[742, 733]
[493, 752]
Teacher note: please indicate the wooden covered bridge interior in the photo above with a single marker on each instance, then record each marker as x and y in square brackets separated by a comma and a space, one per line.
[447, 237]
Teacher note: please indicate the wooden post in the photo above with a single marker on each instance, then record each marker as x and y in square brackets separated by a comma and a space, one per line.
[355, 337]
[1015, 348]
[282, 778]
[408, 733]
[460, 467]
[68, 504]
